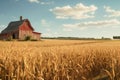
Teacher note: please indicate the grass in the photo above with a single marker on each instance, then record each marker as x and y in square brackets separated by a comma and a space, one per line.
[60, 60]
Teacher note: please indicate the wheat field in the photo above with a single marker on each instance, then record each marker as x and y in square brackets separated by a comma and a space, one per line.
[60, 60]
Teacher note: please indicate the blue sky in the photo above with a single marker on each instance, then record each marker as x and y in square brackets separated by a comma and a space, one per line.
[67, 18]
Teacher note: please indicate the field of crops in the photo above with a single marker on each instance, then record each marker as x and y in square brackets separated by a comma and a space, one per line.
[60, 60]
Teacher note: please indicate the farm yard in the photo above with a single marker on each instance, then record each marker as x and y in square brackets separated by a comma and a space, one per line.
[60, 60]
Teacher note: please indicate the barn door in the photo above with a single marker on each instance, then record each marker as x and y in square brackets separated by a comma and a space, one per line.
[13, 36]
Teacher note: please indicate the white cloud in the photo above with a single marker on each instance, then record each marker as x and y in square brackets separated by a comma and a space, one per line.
[67, 29]
[84, 25]
[34, 1]
[42, 3]
[111, 12]
[2, 27]
[79, 11]
[48, 30]
[50, 34]
[47, 3]
[13, 17]
[46, 35]
[44, 23]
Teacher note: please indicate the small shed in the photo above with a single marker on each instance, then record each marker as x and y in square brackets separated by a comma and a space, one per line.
[20, 30]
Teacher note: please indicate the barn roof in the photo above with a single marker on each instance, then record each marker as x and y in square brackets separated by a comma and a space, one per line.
[13, 26]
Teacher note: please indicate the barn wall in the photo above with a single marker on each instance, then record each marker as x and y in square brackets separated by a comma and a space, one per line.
[23, 34]
[9, 35]
[4, 36]
[24, 30]
[15, 34]
[36, 36]
[25, 27]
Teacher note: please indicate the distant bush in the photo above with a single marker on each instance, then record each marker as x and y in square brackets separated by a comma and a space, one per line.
[9, 38]
[116, 37]
[103, 38]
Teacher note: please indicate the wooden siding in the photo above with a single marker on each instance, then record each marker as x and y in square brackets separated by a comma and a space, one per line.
[12, 35]
[25, 29]
[36, 35]
[23, 34]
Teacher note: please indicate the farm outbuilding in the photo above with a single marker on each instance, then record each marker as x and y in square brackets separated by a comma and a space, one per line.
[20, 30]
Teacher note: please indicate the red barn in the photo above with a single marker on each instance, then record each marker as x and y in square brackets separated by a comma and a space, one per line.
[20, 30]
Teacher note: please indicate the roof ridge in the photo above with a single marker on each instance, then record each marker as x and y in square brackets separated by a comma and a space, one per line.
[19, 20]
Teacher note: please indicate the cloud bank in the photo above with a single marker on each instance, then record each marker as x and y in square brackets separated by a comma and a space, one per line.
[79, 11]
[84, 25]
[111, 12]
[34, 1]
[2, 27]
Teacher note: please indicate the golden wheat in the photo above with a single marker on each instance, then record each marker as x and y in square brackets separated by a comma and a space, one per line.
[60, 60]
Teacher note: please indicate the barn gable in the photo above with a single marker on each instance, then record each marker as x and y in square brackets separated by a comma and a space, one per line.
[26, 25]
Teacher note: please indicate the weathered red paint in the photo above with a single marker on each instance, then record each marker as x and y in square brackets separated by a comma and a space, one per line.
[37, 35]
[26, 26]
[25, 29]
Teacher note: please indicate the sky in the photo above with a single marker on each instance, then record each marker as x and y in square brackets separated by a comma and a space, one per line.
[65, 18]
